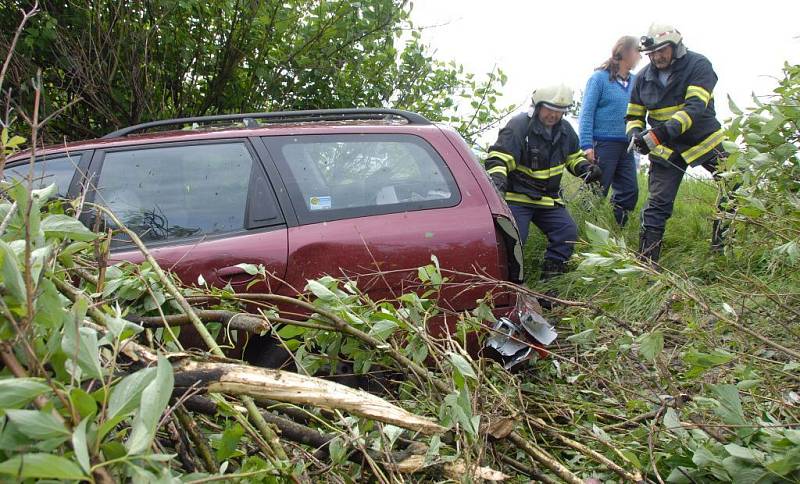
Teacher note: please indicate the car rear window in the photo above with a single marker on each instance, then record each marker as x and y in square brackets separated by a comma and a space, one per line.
[178, 192]
[332, 177]
[46, 171]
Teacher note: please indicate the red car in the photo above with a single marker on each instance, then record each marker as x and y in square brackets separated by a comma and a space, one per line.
[307, 193]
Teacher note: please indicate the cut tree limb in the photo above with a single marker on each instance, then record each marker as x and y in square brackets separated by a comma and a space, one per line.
[262, 383]
[456, 470]
[233, 320]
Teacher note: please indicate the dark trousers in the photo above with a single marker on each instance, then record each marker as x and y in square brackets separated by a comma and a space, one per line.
[619, 174]
[663, 183]
[555, 222]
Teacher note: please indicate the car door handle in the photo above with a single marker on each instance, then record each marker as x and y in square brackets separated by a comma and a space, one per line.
[231, 272]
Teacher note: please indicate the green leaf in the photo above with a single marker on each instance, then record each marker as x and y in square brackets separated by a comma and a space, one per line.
[733, 107]
[382, 329]
[703, 457]
[120, 327]
[229, 442]
[250, 269]
[15, 141]
[673, 423]
[743, 472]
[18, 392]
[786, 464]
[80, 343]
[462, 365]
[584, 338]
[155, 398]
[80, 446]
[125, 397]
[651, 345]
[699, 362]
[83, 402]
[730, 405]
[291, 331]
[12, 277]
[321, 291]
[66, 227]
[744, 453]
[37, 424]
[597, 235]
[42, 466]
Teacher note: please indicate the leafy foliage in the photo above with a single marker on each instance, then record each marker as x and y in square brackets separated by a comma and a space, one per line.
[764, 169]
[195, 58]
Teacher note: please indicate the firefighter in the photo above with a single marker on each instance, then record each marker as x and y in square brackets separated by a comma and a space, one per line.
[526, 163]
[674, 94]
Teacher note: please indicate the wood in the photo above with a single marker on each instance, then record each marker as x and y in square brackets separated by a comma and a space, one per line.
[456, 470]
[262, 383]
[237, 321]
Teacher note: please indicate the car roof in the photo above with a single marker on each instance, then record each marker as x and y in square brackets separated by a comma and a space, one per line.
[195, 133]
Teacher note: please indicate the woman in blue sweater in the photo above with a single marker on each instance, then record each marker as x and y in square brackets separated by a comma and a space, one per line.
[602, 125]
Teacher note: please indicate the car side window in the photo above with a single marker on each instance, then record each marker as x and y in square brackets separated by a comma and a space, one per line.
[178, 192]
[340, 176]
[46, 171]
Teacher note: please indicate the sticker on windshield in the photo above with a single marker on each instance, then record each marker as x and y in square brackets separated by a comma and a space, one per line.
[319, 203]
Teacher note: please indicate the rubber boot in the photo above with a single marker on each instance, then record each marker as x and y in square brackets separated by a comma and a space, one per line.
[550, 268]
[650, 245]
[621, 216]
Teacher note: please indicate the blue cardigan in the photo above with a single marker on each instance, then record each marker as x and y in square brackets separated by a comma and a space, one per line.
[605, 103]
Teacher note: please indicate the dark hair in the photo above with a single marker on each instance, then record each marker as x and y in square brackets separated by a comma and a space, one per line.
[622, 45]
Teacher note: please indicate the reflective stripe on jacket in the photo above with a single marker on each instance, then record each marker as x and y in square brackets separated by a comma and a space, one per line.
[685, 107]
[532, 176]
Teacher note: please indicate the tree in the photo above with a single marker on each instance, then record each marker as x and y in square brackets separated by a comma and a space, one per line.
[132, 61]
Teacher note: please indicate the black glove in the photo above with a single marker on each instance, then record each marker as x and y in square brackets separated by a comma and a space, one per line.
[500, 183]
[591, 173]
[640, 144]
[594, 174]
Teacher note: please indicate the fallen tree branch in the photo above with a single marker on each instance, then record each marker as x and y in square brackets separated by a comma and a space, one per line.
[544, 458]
[529, 471]
[201, 447]
[233, 320]
[456, 470]
[588, 452]
[262, 383]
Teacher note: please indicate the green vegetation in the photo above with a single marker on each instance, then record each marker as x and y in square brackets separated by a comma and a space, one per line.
[694, 367]
[683, 373]
[116, 64]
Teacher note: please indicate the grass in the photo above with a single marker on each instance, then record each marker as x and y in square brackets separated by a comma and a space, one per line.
[651, 340]
[688, 232]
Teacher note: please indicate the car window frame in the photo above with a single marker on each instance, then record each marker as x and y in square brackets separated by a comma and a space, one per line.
[250, 226]
[83, 158]
[273, 143]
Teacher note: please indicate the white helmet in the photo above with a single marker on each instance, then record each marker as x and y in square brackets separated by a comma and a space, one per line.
[557, 97]
[658, 37]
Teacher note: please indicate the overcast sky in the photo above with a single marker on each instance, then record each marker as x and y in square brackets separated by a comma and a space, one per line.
[538, 43]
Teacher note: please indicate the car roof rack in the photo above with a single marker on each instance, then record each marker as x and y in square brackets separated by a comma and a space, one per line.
[250, 119]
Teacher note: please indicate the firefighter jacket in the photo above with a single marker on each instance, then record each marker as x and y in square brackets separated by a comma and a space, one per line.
[681, 114]
[527, 161]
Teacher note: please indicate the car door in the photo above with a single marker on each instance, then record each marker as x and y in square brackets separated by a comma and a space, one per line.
[202, 208]
[377, 206]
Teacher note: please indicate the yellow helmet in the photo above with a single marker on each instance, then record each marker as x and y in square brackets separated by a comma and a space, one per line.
[557, 97]
[658, 37]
